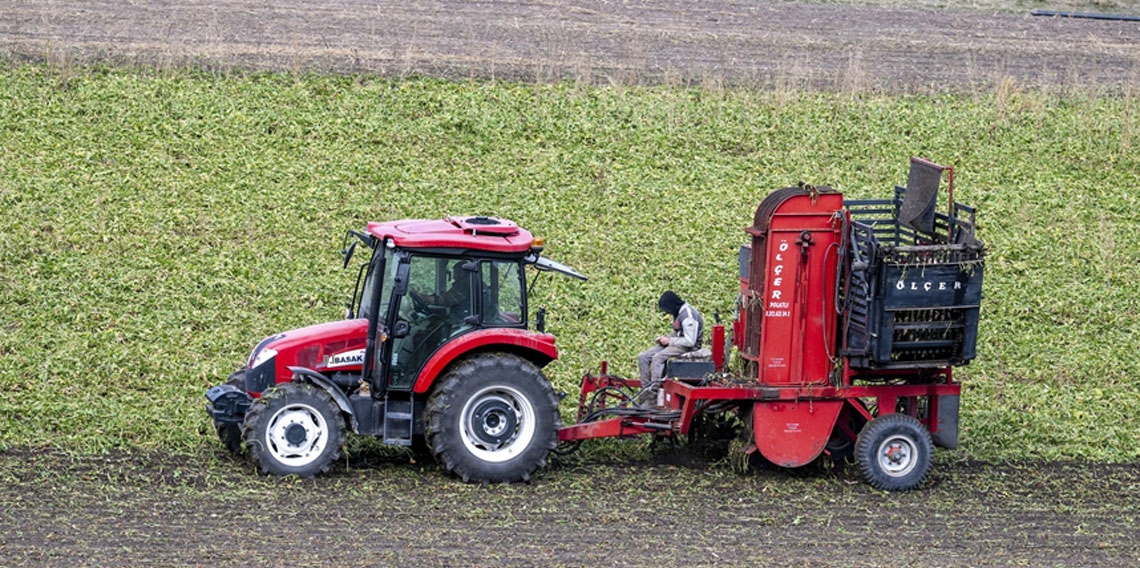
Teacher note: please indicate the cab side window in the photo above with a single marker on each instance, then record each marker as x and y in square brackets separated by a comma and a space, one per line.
[503, 300]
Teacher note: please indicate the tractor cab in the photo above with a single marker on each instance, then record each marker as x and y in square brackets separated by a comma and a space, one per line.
[429, 282]
[436, 346]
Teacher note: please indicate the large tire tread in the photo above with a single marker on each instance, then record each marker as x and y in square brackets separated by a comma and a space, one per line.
[446, 402]
[878, 431]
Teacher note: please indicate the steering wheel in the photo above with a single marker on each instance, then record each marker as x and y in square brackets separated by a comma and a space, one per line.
[418, 302]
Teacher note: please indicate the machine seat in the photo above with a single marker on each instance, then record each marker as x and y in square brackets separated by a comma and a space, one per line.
[693, 366]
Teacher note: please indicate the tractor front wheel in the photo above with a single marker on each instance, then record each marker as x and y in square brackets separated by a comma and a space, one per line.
[493, 419]
[894, 452]
[294, 429]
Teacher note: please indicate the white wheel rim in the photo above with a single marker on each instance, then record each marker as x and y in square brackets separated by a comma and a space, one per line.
[283, 436]
[897, 455]
[488, 414]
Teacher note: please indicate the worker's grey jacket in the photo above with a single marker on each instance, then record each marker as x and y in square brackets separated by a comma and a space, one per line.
[688, 328]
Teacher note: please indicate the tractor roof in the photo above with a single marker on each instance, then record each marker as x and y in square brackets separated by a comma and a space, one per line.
[464, 232]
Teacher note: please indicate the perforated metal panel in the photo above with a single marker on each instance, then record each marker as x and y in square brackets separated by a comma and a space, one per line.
[921, 197]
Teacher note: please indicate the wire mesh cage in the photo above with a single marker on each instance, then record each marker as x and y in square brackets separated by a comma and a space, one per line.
[913, 297]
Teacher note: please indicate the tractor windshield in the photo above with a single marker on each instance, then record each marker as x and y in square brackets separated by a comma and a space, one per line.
[379, 259]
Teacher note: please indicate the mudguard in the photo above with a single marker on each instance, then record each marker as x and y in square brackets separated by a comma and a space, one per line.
[538, 347]
[308, 375]
[791, 434]
[946, 434]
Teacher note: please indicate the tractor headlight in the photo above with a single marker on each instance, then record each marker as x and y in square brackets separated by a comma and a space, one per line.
[262, 356]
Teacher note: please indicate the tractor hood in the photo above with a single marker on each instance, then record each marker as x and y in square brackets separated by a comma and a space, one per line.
[333, 346]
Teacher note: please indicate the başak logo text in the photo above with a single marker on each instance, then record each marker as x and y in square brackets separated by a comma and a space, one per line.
[346, 359]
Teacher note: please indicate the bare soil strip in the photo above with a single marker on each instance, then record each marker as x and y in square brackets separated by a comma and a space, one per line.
[130, 510]
[716, 42]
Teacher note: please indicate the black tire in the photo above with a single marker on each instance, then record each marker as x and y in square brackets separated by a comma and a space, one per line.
[230, 432]
[840, 447]
[492, 418]
[294, 429]
[420, 447]
[711, 434]
[894, 452]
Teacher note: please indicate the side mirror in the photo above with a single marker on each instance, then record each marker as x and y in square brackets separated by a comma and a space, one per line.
[401, 329]
[348, 253]
[540, 320]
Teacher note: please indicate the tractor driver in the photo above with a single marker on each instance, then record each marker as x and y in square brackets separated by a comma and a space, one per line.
[688, 331]
[457, 297]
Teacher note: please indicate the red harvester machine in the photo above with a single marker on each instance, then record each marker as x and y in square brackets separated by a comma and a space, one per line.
[850, 319]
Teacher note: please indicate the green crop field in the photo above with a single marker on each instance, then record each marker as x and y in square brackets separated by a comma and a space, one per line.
[156, 225]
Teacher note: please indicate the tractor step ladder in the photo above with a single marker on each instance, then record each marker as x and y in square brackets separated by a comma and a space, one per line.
[399, 421]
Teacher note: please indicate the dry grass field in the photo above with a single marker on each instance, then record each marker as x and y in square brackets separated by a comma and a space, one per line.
[843, 46]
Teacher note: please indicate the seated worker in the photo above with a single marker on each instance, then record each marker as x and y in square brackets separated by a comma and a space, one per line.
[688, 331]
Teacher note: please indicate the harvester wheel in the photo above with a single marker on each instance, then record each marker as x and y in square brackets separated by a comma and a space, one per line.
[712, 434]
[894, 452]
[230, 432]
[294, 429]
[493, 419]
[840, 446]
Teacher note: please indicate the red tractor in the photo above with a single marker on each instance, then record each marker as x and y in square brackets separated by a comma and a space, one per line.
[850, 318]
[435, 348]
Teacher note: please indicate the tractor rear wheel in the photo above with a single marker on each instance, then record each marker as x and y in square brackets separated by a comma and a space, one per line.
[230, 432]
[493, 419]
[894, 452]
[294, 429]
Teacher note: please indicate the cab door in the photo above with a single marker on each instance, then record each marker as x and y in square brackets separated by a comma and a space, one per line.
[439, 304]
